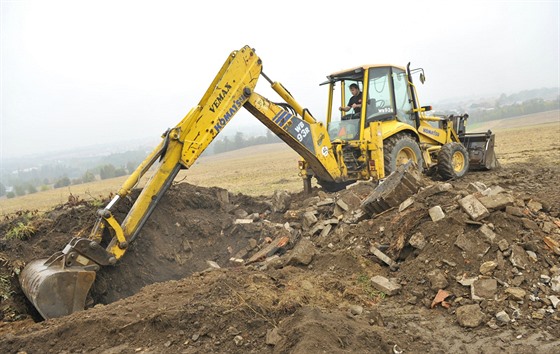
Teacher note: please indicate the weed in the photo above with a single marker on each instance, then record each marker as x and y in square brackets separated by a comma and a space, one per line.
[372, 293]
[20, 232]
[5, 288]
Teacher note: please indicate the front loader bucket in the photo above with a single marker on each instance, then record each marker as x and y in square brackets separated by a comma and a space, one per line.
[55, 290]
[481, 150]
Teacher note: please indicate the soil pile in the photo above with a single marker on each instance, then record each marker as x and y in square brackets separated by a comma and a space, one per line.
[463, 266]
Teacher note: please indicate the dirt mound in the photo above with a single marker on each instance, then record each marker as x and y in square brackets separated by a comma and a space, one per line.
[217, 272]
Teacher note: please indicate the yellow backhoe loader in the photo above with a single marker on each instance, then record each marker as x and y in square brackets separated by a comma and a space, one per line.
[390, 129]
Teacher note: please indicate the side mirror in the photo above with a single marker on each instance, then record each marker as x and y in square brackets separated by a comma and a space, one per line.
[422, 78]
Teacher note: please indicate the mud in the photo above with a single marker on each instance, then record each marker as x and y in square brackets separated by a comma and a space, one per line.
[313, 295]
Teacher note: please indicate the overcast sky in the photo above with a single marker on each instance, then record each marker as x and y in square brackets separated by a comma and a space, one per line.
[77, 73]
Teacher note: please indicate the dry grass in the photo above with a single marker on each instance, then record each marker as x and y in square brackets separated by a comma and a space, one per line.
[259, 170]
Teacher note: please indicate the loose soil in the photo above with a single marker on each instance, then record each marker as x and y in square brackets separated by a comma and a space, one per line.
[315, 294]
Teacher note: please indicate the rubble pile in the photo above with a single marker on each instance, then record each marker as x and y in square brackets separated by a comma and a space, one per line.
[483, 253]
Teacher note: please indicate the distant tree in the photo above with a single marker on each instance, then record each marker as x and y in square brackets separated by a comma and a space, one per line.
[131, 166]
[88, 177]
[107, 171]
[63, 182]
[45, 187]
[19, 189]
[2, 190]
[76, 181]
[30, 188]
[119, 172]
[238, 141]
[10, 195]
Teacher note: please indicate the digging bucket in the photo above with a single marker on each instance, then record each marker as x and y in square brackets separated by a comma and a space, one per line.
[55, 290]
[481, 150]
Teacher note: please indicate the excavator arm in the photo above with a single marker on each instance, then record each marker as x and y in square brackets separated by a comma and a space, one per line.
[59, 285]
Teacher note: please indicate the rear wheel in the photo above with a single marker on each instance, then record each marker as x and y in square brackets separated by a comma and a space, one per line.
[398, 150]
[453, 161]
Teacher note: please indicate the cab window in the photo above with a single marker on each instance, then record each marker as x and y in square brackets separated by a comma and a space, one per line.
[403, 102]
[379, 102]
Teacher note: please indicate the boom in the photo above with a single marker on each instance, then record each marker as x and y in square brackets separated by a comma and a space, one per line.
[73, 269]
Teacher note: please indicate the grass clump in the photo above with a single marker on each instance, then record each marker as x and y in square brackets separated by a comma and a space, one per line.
[372, 293]
[22, 231]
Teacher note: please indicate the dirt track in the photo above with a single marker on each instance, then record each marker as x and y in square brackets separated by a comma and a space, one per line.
[314, 295]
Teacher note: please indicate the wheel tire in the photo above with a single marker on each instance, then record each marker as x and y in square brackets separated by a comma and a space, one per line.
[398, 150]
[453, 161]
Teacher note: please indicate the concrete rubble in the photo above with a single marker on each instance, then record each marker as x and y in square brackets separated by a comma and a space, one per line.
[433, 237]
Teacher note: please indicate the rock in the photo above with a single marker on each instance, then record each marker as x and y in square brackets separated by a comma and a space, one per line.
[383, 257]
[519, 257]
[243, 221]
[437, 280]
[293, 215]
[475, 187]
[326, 230]
[325, 202]
[466, 281]
[408, 202]
[342, 205]
[309, 219]
[484, 289]
[534, 206]
[311, 201]
[555, 283]
[473, 207]
[469, 316]
[503, 317]
[554, 300]
[503, 244]
[529, 224]
[472, 244]
[272, 336]
[356, 310]
[213, 264]
[532, 256]
[436, 213]
[319, 226]
[223, 196]
[539, 314]
[515, 211]
[385, 285]
[515, 293]
[417, 241]
[280, 201]
[238, 340]
[349, 198]
[240, 213]
[302, 253]
[487, 233]
[517, 280]
[496, 202]
[487, 268]
[434, 189]
[494, 190]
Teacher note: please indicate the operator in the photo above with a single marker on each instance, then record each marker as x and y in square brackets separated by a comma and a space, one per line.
[354, 102]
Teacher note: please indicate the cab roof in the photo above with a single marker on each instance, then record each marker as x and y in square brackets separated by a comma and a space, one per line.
[356, 73]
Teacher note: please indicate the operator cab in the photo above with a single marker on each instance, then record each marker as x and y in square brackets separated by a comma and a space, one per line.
[385, 96]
